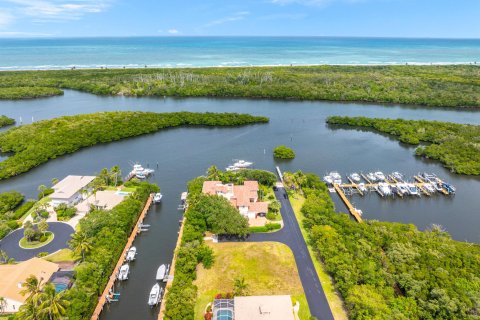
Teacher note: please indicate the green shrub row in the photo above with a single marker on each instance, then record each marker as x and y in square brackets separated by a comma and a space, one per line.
[266, 228]
[15, 93]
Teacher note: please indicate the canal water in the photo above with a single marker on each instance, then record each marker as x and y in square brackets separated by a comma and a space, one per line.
[180, 154]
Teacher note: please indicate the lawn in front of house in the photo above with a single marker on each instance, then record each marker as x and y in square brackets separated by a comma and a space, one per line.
[333, 297]
[63, 255]
[268, 269]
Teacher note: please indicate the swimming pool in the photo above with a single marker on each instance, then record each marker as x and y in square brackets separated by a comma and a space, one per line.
[59, 287]
[123, 193]
[224, 314]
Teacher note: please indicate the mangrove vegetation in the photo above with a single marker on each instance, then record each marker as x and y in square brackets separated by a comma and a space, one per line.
[457, 146]
[283, 152]
[34, 144]
[447, 86]
[6, 121]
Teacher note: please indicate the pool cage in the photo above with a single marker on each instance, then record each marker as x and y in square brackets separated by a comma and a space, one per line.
[223, 309]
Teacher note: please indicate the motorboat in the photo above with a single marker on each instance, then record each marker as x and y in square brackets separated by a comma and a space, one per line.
[161, 272]
[232, 168]
[412, 189]
[157, 198]
[140, 176]
[371, 177]
[328, 179]
[402, 188]
[131, 253]
[355, 177]
[141, 172]
[450, 189]
[336, 177]
[362, 187]
[380, 176]
[429, 187]
[123, 273]
[429, 177]
[438, 187]
[155, 295]
[137, 168]
[397, 176]
[243, 164]
[360, 212]
[384, 189]
[148, 171]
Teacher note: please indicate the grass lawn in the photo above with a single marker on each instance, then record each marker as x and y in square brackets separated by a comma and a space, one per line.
[265, 266]
[36, 244]
[61, 256]
[333, 297]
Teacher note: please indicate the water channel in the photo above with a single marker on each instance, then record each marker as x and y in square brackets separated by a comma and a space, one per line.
[184, 153]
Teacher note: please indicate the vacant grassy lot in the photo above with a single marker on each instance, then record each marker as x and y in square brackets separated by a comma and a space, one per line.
[268, 269]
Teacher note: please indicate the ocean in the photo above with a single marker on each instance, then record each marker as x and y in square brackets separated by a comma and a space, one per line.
[134, 52]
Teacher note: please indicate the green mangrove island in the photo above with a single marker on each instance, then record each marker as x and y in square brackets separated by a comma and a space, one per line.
[6, 121]
[34, 144]
[283, 152]
[446, 86]
[387, 270]
[457, 146]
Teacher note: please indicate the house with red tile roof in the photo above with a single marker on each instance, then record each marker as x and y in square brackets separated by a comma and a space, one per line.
[243, 197]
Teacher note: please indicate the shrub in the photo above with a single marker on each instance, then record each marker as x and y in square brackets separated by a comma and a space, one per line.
[271, 216]
[9, 201]
[45, 193]
[42, 254]
[23, 209]
[65, 212]
[13, 224]
[43, 213]
[283, 152]
[266, 228]
[43, 238]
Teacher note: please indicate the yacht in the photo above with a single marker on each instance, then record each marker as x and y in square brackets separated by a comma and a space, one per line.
[380, 176]
[402, 188]
[242, 164]
[429, 187]
[371, 177]
[428, 177]
[397, 176]
[155, 295]
[438, 187]
[355, 177]
[162, 272]
[232, 168]
[140, 175]
[328, 179]
[384, 189]
[157, 198]
[412, 189]
[337, 178]
[123, 273]
[362, 187]
[131, 253]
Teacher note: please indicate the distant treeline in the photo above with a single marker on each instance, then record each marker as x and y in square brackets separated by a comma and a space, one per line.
[386, 270]
[34, 144]
[447, 86]
[457, 146]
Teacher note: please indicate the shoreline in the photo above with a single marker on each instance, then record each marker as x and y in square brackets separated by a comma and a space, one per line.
[191, 66]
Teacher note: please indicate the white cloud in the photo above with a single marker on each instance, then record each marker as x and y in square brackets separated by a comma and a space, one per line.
[48, 10]
[234, 17]
[6, 18]
[173, 31]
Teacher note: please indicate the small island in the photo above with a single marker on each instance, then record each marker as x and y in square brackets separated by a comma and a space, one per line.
[6, 121]
[283, 152]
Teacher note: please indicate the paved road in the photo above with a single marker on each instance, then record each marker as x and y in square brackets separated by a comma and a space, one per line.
[10, 245]
[291, 235]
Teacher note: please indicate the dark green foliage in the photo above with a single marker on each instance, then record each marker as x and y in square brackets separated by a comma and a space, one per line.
[23, 209]
[14, 93]
[65, 212]
[283, 152]
[9, 201]
[6, 121]
[449, 86]
[457, 146]
[266, 228]
[263, 177]
[108, 232]
[34, 144]
[388, 270]
[45, 193]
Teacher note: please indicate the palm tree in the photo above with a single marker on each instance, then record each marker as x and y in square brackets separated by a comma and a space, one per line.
[116, 173]
[52, 304]
[32, 287]
[3, 305]
[80, 244]
[213, 173]
[240, 287]
[28, 311]
[42, 188]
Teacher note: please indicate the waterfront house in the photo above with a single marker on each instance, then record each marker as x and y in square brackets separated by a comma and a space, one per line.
[12, 277]
[243, 197]
[69, 190]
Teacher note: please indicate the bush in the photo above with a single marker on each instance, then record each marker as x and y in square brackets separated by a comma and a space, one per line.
[43, 214]
[23, 209]
[65, 212]
[271, 216]
[267, 228]
[46, 193]
[42, 254]
[9, 201]
[43, 238]
[283, 152]
[13, 224]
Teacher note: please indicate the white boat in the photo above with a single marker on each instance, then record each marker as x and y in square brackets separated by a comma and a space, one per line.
[412, 189]
[243, 164]
[140, 172]
[336, 177]
[232, 168]
[140, 176]
[438, 187]
[161, 272]
[137, 168]
[155, 295]
[123, 273]
[355, 177]
[397, 176]
[157, 198]
[430, 188]
[360, 212]
[148, 171]
[328, 179]
[384, 189]
[371, 176]
[362, 187]
[402, 187]
[380, 176]
[131, 253]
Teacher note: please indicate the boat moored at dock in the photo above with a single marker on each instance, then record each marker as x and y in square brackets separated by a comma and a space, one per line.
[155, 295]
[157, 198]
[131, 253]
[123, 273]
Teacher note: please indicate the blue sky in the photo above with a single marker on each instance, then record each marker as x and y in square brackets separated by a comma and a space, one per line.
[378, 18]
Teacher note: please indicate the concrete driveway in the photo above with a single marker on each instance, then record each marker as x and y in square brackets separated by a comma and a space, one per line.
[291, 235]
[62, 231]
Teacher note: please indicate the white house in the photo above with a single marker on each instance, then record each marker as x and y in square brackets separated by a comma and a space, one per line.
[69, 190]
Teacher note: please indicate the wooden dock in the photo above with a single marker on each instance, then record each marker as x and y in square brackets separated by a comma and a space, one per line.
[107, 292]
[354, 185]
[351, 208]
[171, 273]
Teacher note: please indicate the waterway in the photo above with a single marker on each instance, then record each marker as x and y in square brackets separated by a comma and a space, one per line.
[184, 153]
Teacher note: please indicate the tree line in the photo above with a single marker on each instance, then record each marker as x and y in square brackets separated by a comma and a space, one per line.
[456, 146]
[33, 144]
[447, 86]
